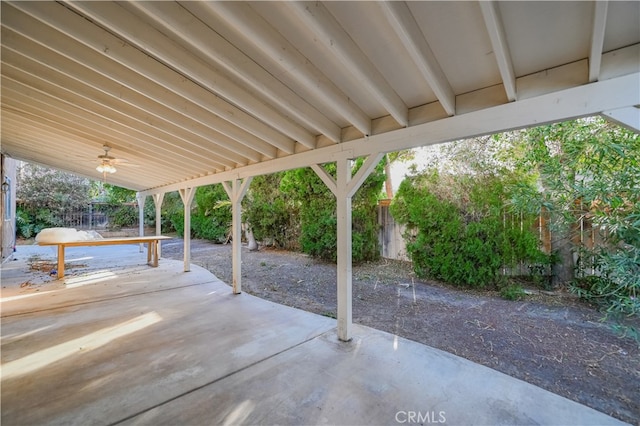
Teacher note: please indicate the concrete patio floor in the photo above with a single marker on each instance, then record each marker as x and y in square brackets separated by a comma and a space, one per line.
[121, 343]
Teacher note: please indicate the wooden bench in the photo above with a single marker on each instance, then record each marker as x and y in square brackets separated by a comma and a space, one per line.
[151, 241]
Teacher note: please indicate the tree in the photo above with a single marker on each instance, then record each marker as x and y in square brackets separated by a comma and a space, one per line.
[390, 158]
[119, 204]
[211, 217]
[115, 194]
[457, 227]
[44, 195]
[590, 169]
[271, 214]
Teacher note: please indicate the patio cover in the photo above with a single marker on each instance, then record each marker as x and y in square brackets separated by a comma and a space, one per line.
[196, 93]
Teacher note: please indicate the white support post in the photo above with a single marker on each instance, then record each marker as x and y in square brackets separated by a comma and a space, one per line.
[236, 193]
[157, 201]
[344, 188]
[141, 199]
[187, 198]
[343, 214]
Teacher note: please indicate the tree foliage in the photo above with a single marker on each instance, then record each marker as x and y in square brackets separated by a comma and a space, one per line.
[43, 187]
[317, 209]
[590, 169]
[292, 209]
[457, 227]
[48, 197]
[113, 194]
[272, 214]
[119, 205]
[44, 194]
[212, 218]
[210, 213]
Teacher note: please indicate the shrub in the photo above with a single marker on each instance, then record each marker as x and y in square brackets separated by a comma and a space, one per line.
[272, 214]
[209, 228]
[172, 213]
[124, 216]
[614, 287]
[25, 226]
[512, 292]
[317, 208]
[319, 233]
[210, 214]
[457, 230]
[211, 218]
[177, 222]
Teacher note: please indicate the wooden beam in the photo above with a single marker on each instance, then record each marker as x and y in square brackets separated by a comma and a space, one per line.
[98, 72]
[137, 32]
[261, 34]
[407, 29]
[60, 122]
[625, 117]
[493, 22]
[82, 30]
[220, 53]
[328, 180]
[194, 32]
[365, 170]
[344, 250]
[561, 105]
[141, 201]
[94, 107]
[83, 83]
[329, 32]
[597, 38]
[126, 79]
[344, 187]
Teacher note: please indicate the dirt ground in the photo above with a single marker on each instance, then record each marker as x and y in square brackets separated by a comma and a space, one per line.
[550, 340]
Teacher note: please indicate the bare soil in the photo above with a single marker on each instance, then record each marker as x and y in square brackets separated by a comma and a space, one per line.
[551, 340]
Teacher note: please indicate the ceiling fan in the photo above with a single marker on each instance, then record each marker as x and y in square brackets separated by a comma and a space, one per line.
[107, 162]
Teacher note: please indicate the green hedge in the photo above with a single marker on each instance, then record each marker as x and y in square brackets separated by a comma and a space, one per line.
[456, 228]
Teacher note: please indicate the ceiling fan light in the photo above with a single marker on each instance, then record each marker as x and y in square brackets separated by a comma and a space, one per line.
[106, 168]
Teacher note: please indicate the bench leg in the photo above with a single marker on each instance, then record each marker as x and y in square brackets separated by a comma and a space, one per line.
[156, 252]
[152, 253]
[60, 261]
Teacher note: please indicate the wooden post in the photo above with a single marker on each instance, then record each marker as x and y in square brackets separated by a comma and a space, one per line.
[236, 193]
[187, 198]
[157, 201]
[60, 271]
[344, 187]
[345, 257]
[141, 200]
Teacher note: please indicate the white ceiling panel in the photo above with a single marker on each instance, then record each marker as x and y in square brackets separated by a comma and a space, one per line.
[623, 24]
[369, 30]
[547, 33]
[458, 38]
